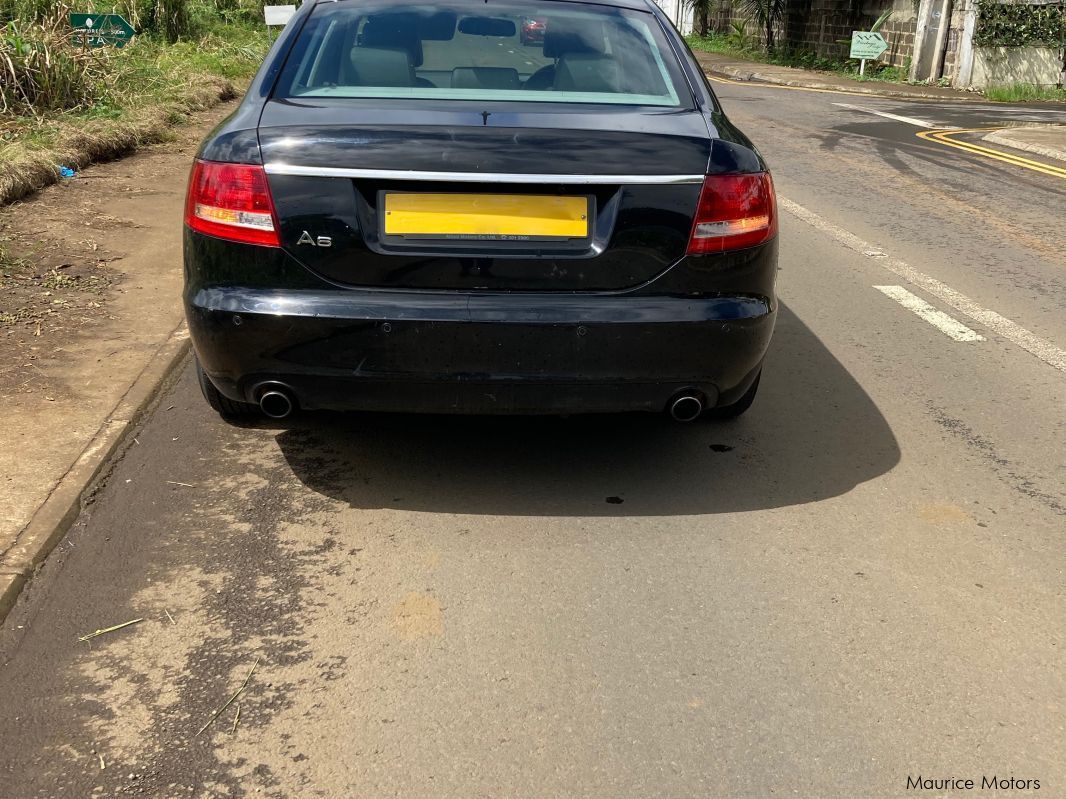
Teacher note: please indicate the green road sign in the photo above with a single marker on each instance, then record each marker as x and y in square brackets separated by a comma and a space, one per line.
[98, 30]
[867, 44]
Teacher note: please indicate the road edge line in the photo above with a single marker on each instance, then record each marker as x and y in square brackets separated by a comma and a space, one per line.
[1042, 349]
[54, 517]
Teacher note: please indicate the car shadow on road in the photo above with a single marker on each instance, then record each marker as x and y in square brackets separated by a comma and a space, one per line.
[813, 433]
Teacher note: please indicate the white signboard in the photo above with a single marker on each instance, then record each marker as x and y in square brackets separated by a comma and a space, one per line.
[278, 15]
[867, 44]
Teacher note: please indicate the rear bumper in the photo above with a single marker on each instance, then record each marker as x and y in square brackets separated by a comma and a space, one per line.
[478, 353]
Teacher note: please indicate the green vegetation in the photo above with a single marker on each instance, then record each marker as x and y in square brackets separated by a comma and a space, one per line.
[1018, 92]
[701, 14]
[738, 37]
[738, 43]
[62, 104]
[1019, 24]
[767, 14]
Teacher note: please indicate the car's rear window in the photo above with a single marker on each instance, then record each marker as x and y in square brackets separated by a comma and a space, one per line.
[508, 50]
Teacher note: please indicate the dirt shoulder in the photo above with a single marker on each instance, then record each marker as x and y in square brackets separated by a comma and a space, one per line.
[89, 292]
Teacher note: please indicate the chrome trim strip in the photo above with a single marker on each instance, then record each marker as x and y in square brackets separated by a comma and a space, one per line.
[277, 168]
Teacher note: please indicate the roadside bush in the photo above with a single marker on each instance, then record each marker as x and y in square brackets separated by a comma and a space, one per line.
[41, 71]
[171, 19]
[767, 14]
[64, 104]
[738, 36]
[1020, 24]
[28, 10]
[241, 10]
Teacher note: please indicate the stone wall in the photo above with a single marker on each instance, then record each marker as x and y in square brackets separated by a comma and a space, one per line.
[825, 27]
[899, 33]
[1003, 66]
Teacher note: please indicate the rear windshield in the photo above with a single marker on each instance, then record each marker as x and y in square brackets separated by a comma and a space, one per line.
[506, 50]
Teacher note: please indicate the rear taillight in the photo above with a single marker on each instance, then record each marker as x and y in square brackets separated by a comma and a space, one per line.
[231, 201]
[734, 211]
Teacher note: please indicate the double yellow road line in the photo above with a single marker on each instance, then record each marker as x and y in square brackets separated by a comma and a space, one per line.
[946, 137]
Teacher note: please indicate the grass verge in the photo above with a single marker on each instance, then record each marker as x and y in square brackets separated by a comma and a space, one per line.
[1021, 92]
[135, 96]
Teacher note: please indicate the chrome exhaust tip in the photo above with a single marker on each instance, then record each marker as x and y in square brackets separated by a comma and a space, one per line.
[686, 408]
[276, 404]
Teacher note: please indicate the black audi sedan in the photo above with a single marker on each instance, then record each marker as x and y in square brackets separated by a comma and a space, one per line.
[412, 211]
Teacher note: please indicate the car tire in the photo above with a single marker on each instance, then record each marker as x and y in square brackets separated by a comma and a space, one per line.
[737, 408]
[219, 402]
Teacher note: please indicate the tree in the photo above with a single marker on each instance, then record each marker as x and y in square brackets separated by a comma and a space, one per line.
[768, 14]
[701, 15]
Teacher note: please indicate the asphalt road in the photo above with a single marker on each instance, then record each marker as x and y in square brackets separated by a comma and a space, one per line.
[858, 582]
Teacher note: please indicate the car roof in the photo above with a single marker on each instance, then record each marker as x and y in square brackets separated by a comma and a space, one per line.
[639, 5]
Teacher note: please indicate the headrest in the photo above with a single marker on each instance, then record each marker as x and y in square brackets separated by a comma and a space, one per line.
[380, 66]
[569, 35]
[485, 78]
[394, 31]
[586, 72]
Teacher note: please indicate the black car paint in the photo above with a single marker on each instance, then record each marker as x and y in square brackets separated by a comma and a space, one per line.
[357, 326]
[406, 350]
[648, 226]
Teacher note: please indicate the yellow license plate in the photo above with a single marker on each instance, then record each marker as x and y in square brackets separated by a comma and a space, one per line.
[487, 216]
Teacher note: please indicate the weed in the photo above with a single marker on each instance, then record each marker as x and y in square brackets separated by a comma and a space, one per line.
[42, 71]
[1018, 92]
[738, 37]
[714, 43]
[58, 281]
[9, 318]
[62, 104]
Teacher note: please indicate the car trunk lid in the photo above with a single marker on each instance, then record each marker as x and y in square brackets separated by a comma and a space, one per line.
[490, 200]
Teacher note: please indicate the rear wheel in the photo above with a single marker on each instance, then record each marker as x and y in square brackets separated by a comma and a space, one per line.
[223, 405]
[738, 407]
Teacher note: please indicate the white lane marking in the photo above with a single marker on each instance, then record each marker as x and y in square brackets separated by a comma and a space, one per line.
[921, 123]
[1030, 342]
[947, 325]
